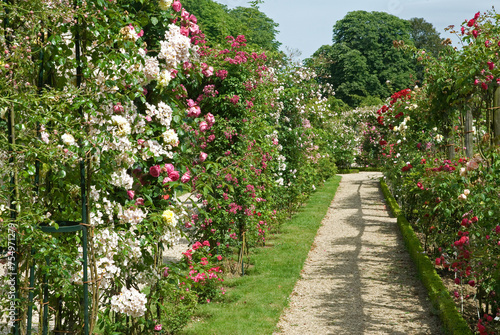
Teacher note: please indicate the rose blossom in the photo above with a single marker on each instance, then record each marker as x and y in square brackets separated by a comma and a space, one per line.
[169, 168]
[185, 177]
[194, 111]
[131, 194]
[176, 5]
[210, 119]
[174, 175]
[204, 126]
[154, 171]
[203, 156]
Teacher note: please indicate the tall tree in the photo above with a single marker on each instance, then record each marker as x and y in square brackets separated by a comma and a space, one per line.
[217, 22]
[258, 28]
[425, 36]
[363, 61]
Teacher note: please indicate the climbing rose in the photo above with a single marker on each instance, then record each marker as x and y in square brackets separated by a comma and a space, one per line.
[154, 171]
[210, 119]
[176, 5]
[203, 156]
[185, 177]
[131, 194]
[204, 126]
[174, 175]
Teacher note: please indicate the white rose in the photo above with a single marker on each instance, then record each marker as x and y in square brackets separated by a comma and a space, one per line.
[68, 139]
[165, 4]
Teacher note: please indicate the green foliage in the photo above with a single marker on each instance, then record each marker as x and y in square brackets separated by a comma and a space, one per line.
[438, 294]
[255, 302]
[362, 61]
[425, 37]
[217, 22]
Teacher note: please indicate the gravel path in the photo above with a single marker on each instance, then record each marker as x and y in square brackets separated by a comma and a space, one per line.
[358, 277]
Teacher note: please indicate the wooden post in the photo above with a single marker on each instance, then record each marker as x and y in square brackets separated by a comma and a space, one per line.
[448, 139]
[496, 117]
[468, 133]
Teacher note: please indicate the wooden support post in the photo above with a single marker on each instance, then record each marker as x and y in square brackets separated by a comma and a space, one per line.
[469, 134]
[496, 117]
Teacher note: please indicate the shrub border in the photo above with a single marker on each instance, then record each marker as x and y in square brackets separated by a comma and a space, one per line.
[440, 298]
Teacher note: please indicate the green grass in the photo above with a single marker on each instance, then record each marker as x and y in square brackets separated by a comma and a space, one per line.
[439, 296]
[256, 300]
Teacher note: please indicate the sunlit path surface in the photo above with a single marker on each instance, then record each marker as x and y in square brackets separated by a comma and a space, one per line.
[358, 278]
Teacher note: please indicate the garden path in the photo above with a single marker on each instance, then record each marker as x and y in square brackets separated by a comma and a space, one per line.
[358, 277]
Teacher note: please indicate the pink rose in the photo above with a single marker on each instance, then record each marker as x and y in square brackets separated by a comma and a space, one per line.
[471, 22]
[131, 194]
[154, 171]
[210, 119]
[139, 202]
[194, 111]
[203, 156]
[169, 168]
[185, 15]
[118, 108]
[176, 5]
[195, 29]
[158, 326]
[222, 74]
[475, 33]
[184, 31]
[174, 175]
[208, 72]
[186, 177]
[211, 138]
[491, 65]
[234, 100]
[204, 126]
[166, 180]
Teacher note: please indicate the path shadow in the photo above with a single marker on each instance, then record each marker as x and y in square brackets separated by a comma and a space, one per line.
[345, 306]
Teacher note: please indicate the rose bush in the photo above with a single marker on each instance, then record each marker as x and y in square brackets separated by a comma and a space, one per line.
[123, 104]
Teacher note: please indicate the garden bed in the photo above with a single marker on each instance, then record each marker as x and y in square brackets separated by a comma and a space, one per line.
[253, 303]
[439, 294]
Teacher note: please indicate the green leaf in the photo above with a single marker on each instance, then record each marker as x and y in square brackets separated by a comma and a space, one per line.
[154, 21]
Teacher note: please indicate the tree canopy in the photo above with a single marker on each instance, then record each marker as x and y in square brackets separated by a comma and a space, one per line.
[217, 22]
[362, 61]
[425, 36]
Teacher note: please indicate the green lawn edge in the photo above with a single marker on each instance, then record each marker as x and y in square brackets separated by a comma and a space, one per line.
[256, 301]
[440, 298]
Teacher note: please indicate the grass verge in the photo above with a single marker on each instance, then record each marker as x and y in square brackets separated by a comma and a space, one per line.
[255, 302]
[452, 320]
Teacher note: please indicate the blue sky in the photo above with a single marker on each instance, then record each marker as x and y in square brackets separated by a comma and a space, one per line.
[307, 24]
